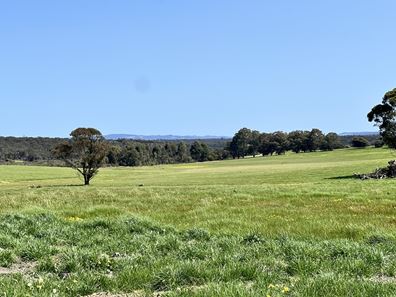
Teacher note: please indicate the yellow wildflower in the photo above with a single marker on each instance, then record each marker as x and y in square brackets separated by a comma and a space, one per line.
[74, 219]
[39, 283]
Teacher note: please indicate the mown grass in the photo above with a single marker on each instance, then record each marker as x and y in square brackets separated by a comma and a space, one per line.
[229, 228]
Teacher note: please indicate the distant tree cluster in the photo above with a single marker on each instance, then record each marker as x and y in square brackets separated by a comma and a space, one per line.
[374, 139]
[123, 152]
[251, 142]
[138, 153]
[29, 149]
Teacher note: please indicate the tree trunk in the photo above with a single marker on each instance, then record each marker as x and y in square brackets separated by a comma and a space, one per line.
[86, 180]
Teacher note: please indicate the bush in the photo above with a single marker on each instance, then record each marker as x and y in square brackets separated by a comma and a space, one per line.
[379, 143]
[359, 142]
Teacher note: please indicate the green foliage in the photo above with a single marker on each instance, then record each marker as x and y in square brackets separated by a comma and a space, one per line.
[298, 141]
[384, 115]
[29, 149]
[359, 142]
[315, 140]
[241, 143]
[255, 142]
[199, 151]
[331, 142]
[7, 257]
[121, 152]
[250, 142]
[279, 142]
[379, 143]
[85, 152]
[126, 152]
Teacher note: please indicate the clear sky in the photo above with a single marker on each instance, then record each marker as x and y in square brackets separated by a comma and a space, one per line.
[206, 67]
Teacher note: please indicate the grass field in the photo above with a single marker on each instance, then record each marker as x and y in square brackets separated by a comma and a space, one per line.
[293, 225]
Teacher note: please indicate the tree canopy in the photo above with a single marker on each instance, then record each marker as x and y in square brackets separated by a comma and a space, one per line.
[384, 116]
[85, 152]
[359, 142]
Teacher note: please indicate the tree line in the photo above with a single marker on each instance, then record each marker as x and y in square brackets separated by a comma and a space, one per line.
[123, 152]
[252, 142]
[87, 150]
[126, 152]
[138, 153]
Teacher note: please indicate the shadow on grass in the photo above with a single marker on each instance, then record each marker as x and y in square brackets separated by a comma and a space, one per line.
[343, 177]
[60, 186]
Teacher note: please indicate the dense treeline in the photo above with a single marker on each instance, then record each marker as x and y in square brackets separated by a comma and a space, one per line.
[122, 152]
[347, 140]
[139, 152]
[27, 148]
[251, 142]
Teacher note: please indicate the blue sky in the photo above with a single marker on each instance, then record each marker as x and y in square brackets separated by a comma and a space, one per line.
[193, 67]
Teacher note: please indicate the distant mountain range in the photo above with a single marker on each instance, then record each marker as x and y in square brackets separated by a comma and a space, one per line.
[161, 137]
[358, 133]
[192, 137]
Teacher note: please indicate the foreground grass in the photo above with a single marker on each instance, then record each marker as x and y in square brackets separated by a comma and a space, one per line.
[296, 225]
[72, 257]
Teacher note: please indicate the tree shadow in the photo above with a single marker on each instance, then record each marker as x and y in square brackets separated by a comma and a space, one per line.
[61, 186]
[352, 176]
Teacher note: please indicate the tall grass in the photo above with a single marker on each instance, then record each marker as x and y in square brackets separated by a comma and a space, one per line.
[73, 256]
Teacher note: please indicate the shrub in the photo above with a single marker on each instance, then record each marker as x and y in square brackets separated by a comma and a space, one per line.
[359, 142]
[379, 143]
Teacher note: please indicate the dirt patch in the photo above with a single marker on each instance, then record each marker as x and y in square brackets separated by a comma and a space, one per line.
[105, 294]
[19, 267]
[141, 293]
[383, 279]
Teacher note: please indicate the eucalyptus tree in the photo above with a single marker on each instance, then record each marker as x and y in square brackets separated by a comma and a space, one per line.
[384, 116]
[85, 152]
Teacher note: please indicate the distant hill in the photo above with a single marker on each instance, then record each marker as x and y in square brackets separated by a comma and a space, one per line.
[193, 137]
[359, 133]
[161, 137]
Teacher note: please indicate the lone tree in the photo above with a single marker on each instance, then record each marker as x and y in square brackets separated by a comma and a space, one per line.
[85, 152]
[384, 116]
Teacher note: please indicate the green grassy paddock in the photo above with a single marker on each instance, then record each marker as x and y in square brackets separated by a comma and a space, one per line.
[226, 228]
[308, 195]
